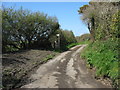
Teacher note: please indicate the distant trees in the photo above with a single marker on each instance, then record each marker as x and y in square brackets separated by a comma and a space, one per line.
[66, 37]
[84, 37]
[102, 19]
[23, 29]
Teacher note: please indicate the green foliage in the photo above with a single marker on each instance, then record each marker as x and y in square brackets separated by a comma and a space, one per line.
[102, 19]
[67, 37]
[48, 57]
[72, 45]
[83, 38]
[24, 29]
[104, 56]
[115, 25]
[81, 10]
[84, 42]
[10, 48]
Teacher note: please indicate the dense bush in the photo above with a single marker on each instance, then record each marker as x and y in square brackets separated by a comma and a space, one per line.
[103, 55]
[23, 29]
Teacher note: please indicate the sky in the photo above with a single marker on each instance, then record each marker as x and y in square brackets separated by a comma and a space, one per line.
[66, 13]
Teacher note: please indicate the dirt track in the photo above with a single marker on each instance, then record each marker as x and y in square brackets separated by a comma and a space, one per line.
[65, 71]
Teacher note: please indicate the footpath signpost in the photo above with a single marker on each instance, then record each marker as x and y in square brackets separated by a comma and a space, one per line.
[58, 41]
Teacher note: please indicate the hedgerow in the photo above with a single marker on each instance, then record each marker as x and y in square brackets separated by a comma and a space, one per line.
[103, 55]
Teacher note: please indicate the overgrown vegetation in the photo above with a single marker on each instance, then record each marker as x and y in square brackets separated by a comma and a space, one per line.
[23, 29]
[103, 55]
[103, 21]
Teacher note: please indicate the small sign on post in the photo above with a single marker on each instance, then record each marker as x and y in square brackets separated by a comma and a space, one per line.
[58, 40]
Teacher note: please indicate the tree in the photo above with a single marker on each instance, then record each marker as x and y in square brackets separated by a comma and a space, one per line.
[67, 37]
[84, 37]
[98, 18]
[24, 29]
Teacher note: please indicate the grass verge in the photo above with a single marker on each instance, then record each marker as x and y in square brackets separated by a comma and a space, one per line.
[103, 55]
[74, 44]
[48, 57]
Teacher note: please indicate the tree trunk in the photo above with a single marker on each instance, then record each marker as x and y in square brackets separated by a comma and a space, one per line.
[91, 32]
